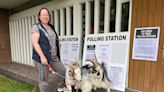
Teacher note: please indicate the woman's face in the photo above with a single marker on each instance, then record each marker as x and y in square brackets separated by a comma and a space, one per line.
[44, 16]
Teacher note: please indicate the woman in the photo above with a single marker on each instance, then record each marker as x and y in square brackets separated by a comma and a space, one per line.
[46, 52]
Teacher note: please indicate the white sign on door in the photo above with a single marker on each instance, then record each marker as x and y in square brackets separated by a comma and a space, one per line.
[145, 44]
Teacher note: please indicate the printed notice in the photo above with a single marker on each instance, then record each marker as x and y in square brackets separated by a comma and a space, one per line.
[145, 45]
[70, 49]
[74, 52]
[90, 52]
[65, 53]
[103, 53]
[117, 77]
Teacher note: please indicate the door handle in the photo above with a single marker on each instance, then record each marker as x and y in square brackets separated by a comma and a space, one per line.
[163, 51]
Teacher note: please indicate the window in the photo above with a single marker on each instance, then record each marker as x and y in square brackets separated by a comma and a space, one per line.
[58, 21]
[71, 20]
[112, 15]
[102, 11]
[64, 22]
[92, 18]
[125, 17]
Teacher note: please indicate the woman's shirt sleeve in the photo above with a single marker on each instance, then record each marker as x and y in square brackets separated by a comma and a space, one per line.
[34, 29]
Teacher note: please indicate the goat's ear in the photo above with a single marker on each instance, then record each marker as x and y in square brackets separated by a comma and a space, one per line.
[71, 66]
[96, 61]
[78, 62]
[103, 64]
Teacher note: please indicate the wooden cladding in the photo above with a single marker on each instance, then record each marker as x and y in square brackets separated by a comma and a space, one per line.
[147, 76]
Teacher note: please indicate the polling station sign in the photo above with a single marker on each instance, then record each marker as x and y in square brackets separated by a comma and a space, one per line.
[113, 50]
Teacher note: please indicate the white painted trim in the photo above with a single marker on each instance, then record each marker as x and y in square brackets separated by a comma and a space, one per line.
[30, 43]
[56, 20]
[15, 41]
[24, 59]
[36, 19]
[129, 31]
[80, 19]
[80, 27]
[107, 16]
[75, 19]
[118, 16]
[62, 24]
[97, 16]
[27, 42]
[51, 17]
[18, 39]
[11, 38]
[123, 1]
[21, 41]
[87, 18]
[33, 19]
[68, 20]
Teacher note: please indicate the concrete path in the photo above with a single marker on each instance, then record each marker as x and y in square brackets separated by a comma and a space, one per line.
[27, 74]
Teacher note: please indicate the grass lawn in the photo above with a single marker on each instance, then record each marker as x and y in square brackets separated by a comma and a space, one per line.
[9, 85]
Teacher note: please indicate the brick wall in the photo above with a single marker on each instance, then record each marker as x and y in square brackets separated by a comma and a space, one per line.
[5, 51]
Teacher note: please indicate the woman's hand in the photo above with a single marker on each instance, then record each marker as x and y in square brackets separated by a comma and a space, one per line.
[44, 60]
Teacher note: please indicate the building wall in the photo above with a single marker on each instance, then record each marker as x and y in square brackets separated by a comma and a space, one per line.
[147, 76]
[5, 52]
[20, 27]
[87, 20]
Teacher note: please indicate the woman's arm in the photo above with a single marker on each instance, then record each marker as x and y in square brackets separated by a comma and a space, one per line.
[35, 39]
